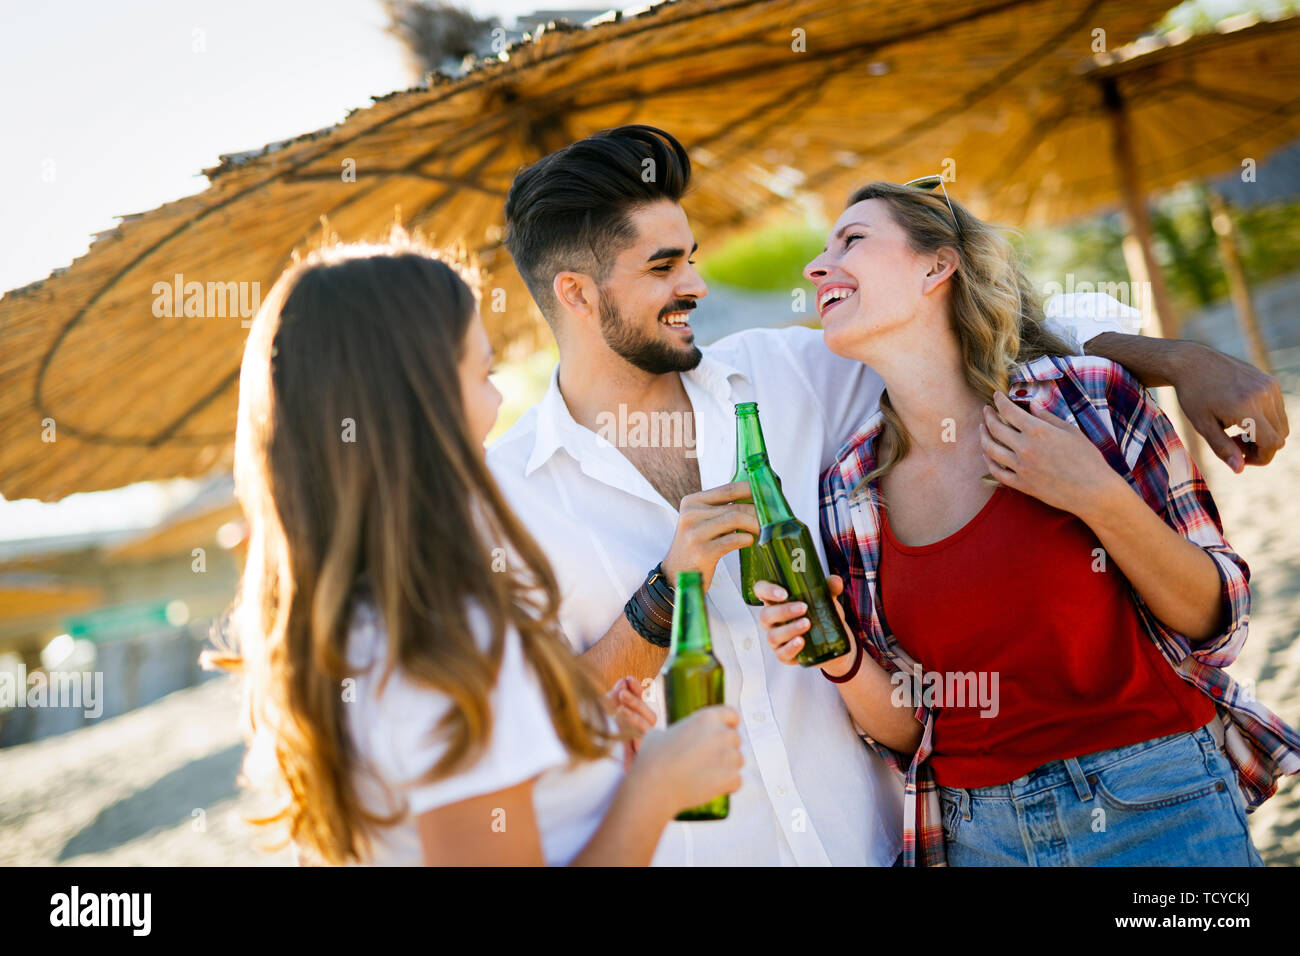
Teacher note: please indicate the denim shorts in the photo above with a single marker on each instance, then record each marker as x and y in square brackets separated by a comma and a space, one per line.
[1170, 801]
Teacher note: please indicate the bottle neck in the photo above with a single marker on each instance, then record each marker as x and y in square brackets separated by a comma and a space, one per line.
[749, 436]
[770, 505]
[690, 621]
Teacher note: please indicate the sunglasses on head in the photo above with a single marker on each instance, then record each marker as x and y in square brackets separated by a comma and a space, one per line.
[929, 184]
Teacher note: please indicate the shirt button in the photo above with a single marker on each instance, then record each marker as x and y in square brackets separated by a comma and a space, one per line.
[758, 718]
[780, 791]
[1216, 691]
[749, 642]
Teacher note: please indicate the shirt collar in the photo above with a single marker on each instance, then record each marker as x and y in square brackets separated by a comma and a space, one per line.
[557, 429]
[1042, 369]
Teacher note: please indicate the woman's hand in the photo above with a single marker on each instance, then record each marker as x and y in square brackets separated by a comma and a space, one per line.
[694, 760]
[785, 622]
[690, 763]
[632, 713]
[870, 695]
[1041, 455]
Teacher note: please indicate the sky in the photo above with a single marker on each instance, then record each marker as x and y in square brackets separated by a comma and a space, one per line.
[114, 107]
[109, 107]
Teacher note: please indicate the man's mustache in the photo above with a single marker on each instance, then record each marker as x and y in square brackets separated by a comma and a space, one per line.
[681, 305]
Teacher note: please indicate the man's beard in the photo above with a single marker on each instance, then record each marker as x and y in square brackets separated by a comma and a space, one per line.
[647, 352]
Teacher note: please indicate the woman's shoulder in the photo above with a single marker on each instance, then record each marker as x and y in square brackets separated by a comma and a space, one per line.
[396, 720]
[368, 652]
[855, 457]
[367, 635]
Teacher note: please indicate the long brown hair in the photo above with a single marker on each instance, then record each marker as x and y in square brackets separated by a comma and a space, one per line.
[994, 310]
[357, 474]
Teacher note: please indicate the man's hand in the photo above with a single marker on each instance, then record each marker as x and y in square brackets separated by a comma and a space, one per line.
[1218, 391]
[1215, 390]
[709, 524]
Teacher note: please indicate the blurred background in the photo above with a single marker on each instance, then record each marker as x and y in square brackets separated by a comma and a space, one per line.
[117, 107]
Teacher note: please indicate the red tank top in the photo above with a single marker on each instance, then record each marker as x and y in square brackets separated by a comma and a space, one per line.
[1030, 641]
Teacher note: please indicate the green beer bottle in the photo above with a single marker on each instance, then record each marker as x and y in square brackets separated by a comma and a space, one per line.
[749, 441]
[792, 560]
[692, 675]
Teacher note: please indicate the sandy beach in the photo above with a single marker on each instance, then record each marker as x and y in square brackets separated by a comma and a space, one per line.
[1261, 519]
[158, 785]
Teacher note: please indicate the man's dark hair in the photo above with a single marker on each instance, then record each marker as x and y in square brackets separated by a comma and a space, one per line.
[571, 210]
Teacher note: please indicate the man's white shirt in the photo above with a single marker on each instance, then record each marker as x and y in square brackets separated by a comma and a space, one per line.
[812, 792]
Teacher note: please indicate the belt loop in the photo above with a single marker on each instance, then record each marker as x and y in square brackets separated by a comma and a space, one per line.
[1077, 778]
[1215, 727]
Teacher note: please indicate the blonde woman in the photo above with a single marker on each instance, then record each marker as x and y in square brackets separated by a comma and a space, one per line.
[1036, 576]
[410, 696]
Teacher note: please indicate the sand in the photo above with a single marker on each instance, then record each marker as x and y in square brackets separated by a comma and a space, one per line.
[153, 786]
[1261, 520]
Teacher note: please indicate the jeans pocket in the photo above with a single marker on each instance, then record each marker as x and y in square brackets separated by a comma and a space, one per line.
[1163, 776]
[951, 815]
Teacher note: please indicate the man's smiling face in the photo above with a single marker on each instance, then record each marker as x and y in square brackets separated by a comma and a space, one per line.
[646, 301]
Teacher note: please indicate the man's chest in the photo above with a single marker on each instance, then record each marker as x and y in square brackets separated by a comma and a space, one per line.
[671, 471]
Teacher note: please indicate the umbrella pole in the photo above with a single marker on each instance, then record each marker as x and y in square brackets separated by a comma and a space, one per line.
[1225, 231]
[1146, 269]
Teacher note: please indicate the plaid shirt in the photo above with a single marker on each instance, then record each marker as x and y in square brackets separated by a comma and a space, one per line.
[1138, 441]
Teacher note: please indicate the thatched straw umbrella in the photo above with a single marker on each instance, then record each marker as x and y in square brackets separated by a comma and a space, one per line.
[1143, 117]
[758, 90]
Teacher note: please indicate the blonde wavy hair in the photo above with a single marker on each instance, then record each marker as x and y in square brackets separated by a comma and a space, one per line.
[402, 513]
[994, 311]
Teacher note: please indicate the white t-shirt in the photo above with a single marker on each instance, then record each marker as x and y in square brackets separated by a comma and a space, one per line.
[392, 733]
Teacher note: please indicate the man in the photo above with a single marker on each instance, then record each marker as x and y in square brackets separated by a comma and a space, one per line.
[598, 233]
